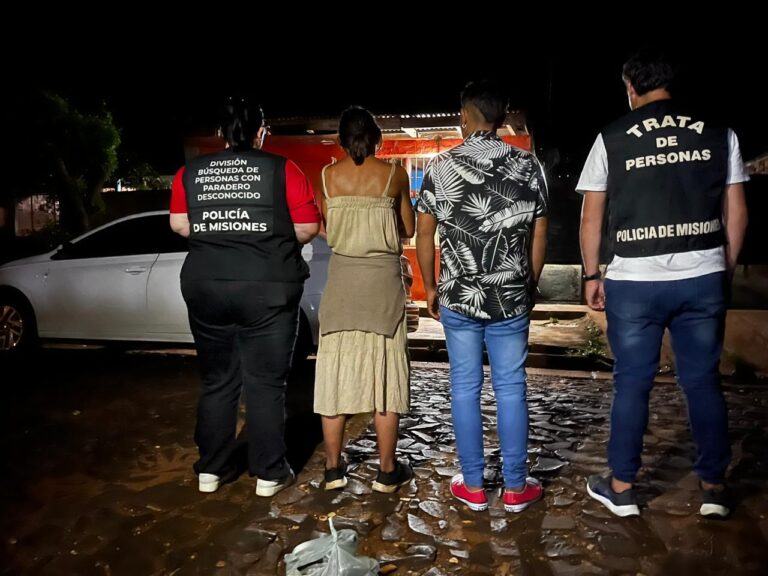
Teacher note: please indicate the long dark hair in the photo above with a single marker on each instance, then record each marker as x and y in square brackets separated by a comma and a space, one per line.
[358, 133]
[240, 122]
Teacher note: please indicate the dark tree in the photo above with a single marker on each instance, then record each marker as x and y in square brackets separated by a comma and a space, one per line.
[62, 152]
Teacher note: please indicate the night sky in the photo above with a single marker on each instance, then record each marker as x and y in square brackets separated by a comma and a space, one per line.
[569, 89]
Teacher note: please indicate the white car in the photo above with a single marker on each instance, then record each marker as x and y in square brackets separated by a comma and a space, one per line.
[120, 282]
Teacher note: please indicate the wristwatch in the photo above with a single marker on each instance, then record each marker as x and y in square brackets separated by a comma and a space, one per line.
[588, 277]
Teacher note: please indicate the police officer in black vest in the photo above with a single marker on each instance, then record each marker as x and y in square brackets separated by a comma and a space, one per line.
[671, 183]
[242, 281]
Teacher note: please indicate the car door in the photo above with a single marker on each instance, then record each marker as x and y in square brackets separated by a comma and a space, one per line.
[96, 287]
[167, 310]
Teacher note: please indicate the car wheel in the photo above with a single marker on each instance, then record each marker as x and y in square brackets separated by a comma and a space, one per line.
[18, 332]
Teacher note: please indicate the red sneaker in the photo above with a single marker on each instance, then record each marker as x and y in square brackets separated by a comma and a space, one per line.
[476, 501]
[519, 501]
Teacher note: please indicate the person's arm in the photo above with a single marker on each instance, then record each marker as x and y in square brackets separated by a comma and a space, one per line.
[538, 248]
[593, 184]
[540, 224]
[406, 219]
[306, 232]
[425, 254]
[590, 235]
[323, 209]
[321, 198]
[426, 226]
[734, 204]
[301, 203]
[735, 221]
[179, 217]
[180, 223]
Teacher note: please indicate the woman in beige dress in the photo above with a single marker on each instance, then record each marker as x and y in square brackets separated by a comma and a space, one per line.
[362, 358]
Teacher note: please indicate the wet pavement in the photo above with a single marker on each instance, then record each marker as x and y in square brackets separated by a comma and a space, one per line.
[98, 480]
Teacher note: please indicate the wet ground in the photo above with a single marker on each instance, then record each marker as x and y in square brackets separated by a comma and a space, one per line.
[98, 448]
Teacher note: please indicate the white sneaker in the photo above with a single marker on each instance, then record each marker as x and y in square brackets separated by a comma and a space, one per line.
[269, 488]
[208, 482]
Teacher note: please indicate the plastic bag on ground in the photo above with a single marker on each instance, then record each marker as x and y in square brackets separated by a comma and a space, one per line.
[330, 555]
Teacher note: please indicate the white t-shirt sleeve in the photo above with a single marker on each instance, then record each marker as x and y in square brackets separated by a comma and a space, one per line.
[736, 172]
[594, 175]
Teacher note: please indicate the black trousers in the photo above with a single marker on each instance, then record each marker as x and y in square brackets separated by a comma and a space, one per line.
[244, 334]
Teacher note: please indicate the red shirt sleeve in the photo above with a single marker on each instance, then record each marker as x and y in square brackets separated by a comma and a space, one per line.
[178, 194]
[299, 196]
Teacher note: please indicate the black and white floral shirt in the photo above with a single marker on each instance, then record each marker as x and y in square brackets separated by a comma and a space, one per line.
[485, 195]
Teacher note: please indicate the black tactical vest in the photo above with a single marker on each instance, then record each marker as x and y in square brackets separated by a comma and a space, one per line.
[666, 178]
[240, 226]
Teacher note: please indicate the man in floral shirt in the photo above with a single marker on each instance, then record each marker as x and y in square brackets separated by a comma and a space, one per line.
[488, 201]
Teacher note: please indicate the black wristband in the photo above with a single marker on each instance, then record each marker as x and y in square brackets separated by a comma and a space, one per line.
[595, 276]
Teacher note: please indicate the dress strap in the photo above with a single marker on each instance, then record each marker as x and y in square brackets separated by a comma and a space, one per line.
[389, 180]
[322, 176]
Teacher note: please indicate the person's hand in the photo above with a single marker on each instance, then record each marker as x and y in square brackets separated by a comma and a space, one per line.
[433, 305]
[594, 293]
[728, 285]
[533, 291]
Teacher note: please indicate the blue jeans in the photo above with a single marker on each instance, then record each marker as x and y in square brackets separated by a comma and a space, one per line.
[694, 311]
[507, 344]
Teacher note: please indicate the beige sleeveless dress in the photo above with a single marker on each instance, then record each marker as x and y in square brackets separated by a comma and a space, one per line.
[362, 358]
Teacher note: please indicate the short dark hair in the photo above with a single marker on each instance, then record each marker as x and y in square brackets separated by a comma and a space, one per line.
[488, 97]
[240, 121]
[648, 70]
[358, 133]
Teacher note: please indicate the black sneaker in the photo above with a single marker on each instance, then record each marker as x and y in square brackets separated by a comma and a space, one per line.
[388, 482]
[336, 478]
[715, 503]
[622, 504]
